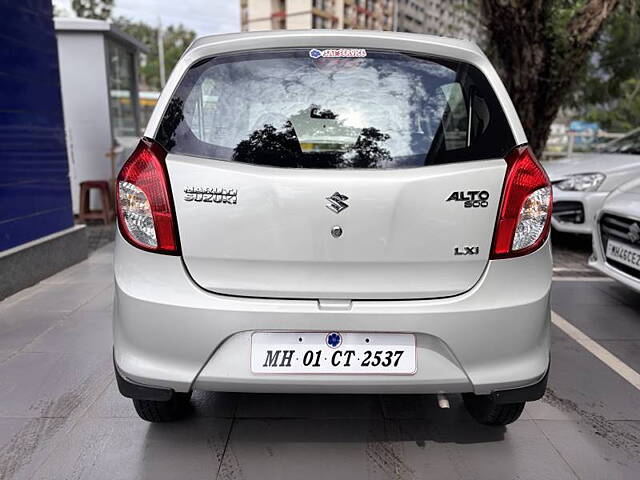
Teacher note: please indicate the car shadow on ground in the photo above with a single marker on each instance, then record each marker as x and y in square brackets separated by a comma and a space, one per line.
[326, 418]
[570, 241]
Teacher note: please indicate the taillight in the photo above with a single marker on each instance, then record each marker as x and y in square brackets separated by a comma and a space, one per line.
[145, 209]
[525, 209]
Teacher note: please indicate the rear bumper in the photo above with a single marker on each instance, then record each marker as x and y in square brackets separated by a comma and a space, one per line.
[169, 333]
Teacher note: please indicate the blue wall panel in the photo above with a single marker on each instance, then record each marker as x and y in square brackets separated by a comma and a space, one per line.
[35, 199]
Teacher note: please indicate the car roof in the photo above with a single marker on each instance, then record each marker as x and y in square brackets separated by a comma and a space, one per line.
[454, 43]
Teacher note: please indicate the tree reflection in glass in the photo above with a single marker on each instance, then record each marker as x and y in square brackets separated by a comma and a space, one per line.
[314, 138]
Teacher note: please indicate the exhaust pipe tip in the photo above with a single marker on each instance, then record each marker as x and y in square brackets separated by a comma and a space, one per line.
[443, 401]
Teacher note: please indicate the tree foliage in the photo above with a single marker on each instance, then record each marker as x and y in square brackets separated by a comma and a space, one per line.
[610, 93]
[270, 145]
[96, 9]
[175, 40]
[542, 47]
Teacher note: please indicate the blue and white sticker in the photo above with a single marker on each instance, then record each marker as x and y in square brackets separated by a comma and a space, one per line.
[338, 53]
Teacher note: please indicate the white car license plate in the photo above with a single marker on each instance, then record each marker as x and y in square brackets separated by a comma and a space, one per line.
[333, 352]
[624, 254]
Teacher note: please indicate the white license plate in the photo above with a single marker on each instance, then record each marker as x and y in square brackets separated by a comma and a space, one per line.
[333, 352]
[624, 254]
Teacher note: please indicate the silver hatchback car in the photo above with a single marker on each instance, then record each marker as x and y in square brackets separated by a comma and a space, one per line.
[333, 211]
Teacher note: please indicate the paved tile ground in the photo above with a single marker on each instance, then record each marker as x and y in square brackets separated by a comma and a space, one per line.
[570, 255]
[61, 416]
[99, 234]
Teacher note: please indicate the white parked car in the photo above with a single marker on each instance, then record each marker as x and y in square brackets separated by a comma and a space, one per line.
[616, 244]
[333, 211]
[583, 181]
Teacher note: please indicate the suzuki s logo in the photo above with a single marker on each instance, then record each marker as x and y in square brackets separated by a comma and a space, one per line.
[634, 232]
[337, 202]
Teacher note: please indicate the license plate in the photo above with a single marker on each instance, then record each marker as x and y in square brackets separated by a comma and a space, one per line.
[624, 254]
[333, 352]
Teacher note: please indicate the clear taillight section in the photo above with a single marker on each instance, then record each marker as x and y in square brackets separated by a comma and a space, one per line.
[137, 214]
[533, 219]
[145, 210]
[525, 209]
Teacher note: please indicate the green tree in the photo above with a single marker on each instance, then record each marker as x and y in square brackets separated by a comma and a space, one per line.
[175, 40]
[610, 92]
[620, 114]
[96, 9]
[542, 47]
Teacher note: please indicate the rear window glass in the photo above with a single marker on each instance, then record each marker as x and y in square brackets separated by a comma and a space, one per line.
[374, 110]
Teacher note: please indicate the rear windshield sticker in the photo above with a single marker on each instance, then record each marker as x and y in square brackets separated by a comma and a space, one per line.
[338, 53]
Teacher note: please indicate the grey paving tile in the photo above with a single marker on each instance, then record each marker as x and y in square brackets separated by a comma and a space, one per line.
[626, 350]
[621, 292]
[110, 404]
[475, 451]
[18, 297]
[20, 325]
[8, 429]
[102, 255]
[310, 449]
[50, 384]
[62, 297]
[83, 272]
[21, 378]
[103, 302]
[24, 450]
[580, 384]
[603, 322]
[548, 409]
[124, 449]
[597, 452]
[580, 293]
[5, 354]
[308, 406]
[378, 449]
[85, 330]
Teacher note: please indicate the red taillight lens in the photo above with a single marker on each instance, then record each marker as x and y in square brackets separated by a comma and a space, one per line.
[145, 209]
[525, 209]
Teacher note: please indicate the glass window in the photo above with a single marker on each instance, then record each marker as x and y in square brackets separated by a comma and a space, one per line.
[628, 144]
[121, 90]
[289, 109]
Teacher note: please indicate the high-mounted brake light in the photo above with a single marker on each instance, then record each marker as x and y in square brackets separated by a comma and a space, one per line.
[525, 209]
[145, 209]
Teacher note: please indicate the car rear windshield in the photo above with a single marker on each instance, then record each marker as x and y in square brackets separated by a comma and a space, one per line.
[335, 108]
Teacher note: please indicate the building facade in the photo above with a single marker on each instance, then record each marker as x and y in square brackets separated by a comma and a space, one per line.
[449, 18]
[308, 14]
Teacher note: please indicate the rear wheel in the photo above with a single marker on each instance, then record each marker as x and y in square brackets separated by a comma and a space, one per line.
[163, 411]
[488, 412]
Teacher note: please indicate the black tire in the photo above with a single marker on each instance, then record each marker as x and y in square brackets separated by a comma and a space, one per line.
[170, 411]
[486, 411]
